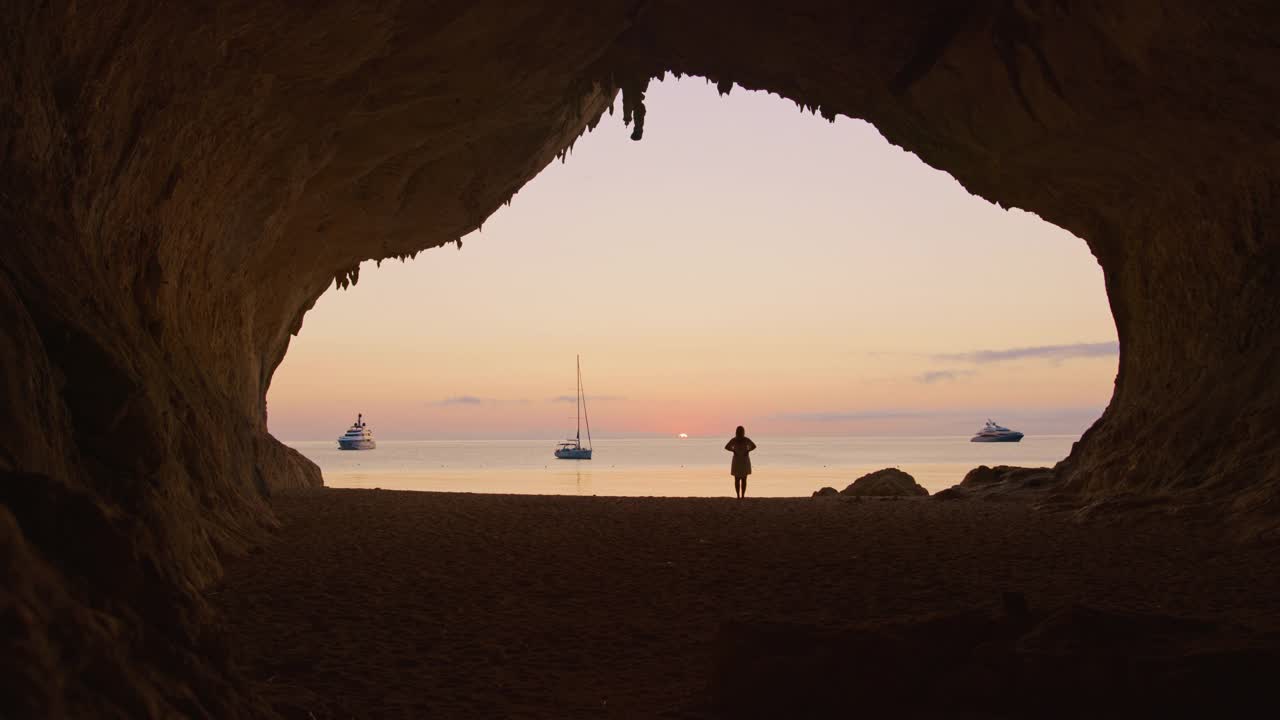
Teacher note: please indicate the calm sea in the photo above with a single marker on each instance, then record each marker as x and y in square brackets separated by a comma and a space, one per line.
[692, 467]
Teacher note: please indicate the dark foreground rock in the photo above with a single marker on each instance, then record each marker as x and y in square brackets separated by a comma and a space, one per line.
[952, 493]
[983, 476]
[1075, 662]
[1003, 482]
[889, 482]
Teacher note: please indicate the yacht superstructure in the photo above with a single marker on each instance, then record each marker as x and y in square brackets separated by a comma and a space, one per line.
[357, 437]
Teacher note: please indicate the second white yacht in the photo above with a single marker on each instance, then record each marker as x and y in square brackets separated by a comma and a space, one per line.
[996, 433]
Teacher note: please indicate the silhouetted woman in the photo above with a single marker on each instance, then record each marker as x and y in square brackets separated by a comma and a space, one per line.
[741, 446]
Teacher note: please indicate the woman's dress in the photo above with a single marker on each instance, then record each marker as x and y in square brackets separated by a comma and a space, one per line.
[741, 466]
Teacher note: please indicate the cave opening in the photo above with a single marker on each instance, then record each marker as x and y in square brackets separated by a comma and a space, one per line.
[747, 262]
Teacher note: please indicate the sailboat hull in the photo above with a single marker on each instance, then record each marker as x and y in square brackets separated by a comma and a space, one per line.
[574, 454]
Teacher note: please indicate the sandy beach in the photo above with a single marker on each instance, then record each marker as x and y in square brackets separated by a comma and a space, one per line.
[378, 604]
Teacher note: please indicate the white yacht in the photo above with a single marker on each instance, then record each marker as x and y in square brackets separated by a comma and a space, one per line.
[357, 437]
[996, 433]
[572, 448]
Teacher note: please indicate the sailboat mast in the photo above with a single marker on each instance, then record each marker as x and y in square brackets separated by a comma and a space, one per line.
[578, 400]
[583, 394]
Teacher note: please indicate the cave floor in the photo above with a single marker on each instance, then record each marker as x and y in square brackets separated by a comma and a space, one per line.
[372, 603]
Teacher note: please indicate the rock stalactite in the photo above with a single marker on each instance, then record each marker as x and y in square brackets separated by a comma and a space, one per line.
[179, 183]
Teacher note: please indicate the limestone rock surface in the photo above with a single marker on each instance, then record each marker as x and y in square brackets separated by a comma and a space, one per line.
[180, 182]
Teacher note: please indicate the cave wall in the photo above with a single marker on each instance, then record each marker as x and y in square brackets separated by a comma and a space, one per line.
[180, 182]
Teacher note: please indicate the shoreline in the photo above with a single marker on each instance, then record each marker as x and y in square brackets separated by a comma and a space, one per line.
[787, 467]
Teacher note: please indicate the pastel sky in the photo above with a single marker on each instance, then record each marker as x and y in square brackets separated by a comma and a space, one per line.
[745, 263]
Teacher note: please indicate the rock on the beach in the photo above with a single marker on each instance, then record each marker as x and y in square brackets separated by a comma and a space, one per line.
[983, 476]
[890, 482]
[952, 493]
[826, 492]
[1001, 482]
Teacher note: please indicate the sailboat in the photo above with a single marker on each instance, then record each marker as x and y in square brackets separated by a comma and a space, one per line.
[572, 449]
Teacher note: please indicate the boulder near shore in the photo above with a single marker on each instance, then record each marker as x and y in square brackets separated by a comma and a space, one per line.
[1002, 482]
[889, 482]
